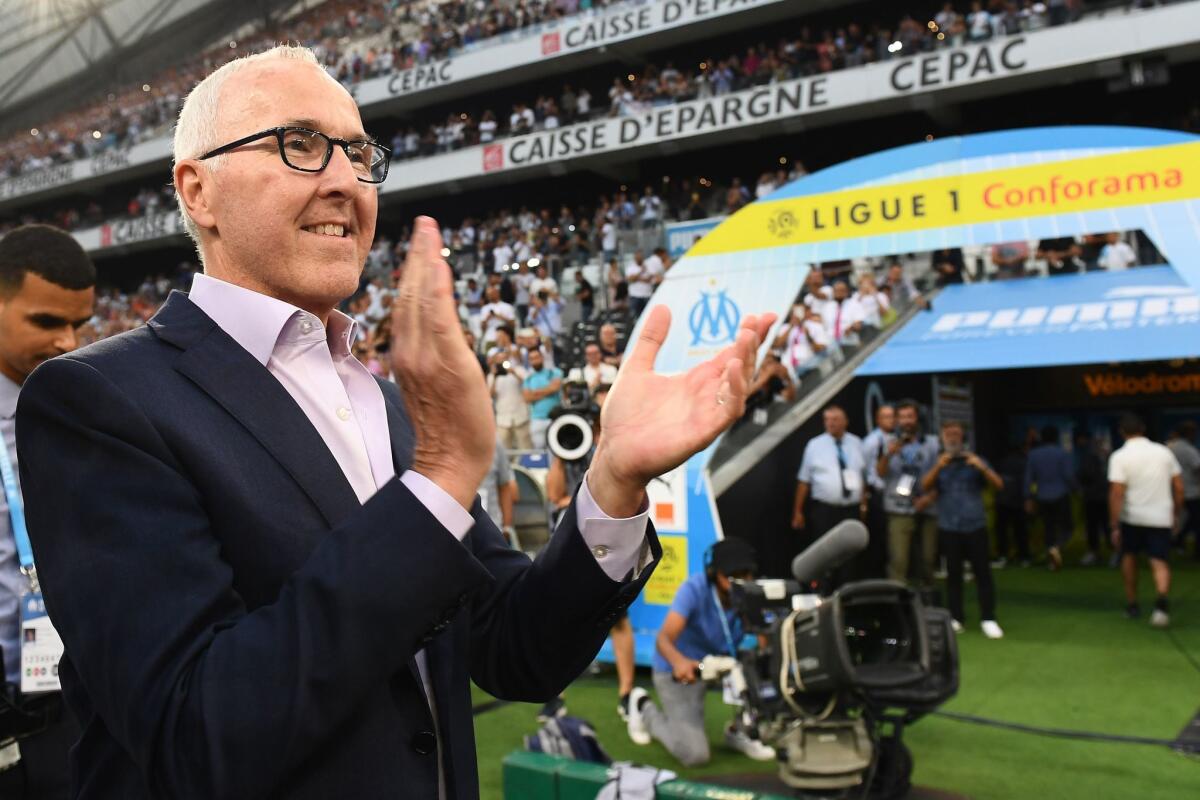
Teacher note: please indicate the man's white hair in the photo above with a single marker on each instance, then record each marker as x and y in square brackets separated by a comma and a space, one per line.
[197, 130]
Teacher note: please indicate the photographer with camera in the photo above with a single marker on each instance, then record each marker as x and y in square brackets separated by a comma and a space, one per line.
[901, 465]
[46, 293]
[701, 622]
[958, 478]
[504, 380]
[562, 481]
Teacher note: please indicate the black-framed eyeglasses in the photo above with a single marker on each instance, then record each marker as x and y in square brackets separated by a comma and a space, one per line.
[309, 151]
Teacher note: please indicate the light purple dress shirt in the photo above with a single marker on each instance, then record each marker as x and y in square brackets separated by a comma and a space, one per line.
[344, 403]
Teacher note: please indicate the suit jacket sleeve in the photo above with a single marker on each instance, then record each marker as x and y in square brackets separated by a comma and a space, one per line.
[208, 698]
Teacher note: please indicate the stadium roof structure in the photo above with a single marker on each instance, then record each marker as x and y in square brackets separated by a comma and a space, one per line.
[52, 52]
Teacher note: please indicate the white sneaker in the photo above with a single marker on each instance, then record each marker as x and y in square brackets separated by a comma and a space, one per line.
[739, 740]
[957, 626]
[991, 629]
[1159, 619]
[636, 723]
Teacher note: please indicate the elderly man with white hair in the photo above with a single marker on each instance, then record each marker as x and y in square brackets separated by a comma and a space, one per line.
[270, 570]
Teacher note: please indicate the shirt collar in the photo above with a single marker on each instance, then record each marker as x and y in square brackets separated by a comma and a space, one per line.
[9, 392]
[256, 321]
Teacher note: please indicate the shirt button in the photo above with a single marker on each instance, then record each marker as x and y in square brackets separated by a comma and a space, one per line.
[343, 413]
[306, 326]
[600, 551]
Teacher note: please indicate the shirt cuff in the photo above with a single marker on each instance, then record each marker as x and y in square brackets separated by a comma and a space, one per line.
[619, 545]
[437, 501]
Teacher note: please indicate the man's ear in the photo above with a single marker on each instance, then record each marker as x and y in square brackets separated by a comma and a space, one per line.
[194, 185]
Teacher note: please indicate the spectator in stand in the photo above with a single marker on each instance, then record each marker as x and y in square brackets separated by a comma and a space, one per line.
[1145, 501]
[958, 478]
[1049, 481]
[543, 282]
[979, 23]
[804, 340]
[594, 371]
[611, 351]
[650, 208]
[875, 307]
[1061, 254]
[1011, 511]
[1092, 477]
[545, 315]
[772, 384]
[1117, 254]
[522, 290]
[504, 379]
[842, 316]
[1010, 259]
[494, 314]
[585, 295]
[541, 388]
[949, 266]
[902, 291]
[643, 276]
[815, 291]
[1181, 443]
[909, 457]
[830, 486]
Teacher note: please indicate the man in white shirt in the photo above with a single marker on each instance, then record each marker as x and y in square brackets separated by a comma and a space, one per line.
[543, 282]
[1117, 254]
[495, 313]
[502, 254]
[594, 371]
[1145, 500]
[830, 485]
[644, 275]
[842, 316]
[608, 239]
[805, 340]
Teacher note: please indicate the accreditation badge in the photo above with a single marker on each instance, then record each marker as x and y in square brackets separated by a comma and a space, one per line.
[41, 647]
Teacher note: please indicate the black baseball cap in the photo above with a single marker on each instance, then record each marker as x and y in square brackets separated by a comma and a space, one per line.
[732, 556]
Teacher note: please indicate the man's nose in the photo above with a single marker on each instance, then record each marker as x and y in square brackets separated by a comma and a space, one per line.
[340, 174]
[66, 341]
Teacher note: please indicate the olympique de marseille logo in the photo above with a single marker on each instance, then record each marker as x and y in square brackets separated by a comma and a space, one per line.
[714, 319]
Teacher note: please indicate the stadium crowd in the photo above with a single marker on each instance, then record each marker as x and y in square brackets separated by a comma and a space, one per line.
[357, 40]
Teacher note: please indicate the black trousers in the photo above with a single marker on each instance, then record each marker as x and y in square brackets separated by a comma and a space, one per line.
[42, 773]
[972, 546]
[874, 560]
[1191, 524]
[1056, 519]
[821, 518]
[1015, 519]
[1095, 523]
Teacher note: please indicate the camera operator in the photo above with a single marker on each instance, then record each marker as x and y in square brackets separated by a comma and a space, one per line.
[46, 293]
[700, 623]
[562, 481]
[901, 465]
[958, 477]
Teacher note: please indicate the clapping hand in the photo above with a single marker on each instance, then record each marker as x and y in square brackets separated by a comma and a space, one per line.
[653, 423]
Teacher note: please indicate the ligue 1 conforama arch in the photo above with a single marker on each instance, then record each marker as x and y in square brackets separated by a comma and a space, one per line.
[973, 190]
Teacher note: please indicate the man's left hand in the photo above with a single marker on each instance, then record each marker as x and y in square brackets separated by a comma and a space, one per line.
[653, 423]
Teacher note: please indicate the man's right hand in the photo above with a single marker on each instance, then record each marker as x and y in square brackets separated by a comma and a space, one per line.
[797, 520]
[444, 391]
[684, 670]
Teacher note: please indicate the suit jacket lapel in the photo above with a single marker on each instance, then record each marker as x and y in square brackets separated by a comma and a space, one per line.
[248, 391]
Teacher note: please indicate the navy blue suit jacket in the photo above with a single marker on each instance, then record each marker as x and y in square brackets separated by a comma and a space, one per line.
[237, 624]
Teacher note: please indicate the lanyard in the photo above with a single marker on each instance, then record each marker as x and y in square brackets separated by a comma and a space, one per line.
[724, 622]
[16, 510]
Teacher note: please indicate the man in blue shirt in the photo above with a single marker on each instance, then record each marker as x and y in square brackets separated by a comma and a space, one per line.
[831, 481]
[700, 623]
[874, 444]
[959, 477]
[541, 389]
[1049, 481]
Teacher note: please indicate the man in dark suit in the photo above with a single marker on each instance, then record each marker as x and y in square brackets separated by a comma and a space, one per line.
[270, 571]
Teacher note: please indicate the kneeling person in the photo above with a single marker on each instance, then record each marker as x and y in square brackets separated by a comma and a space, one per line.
[700, 623]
